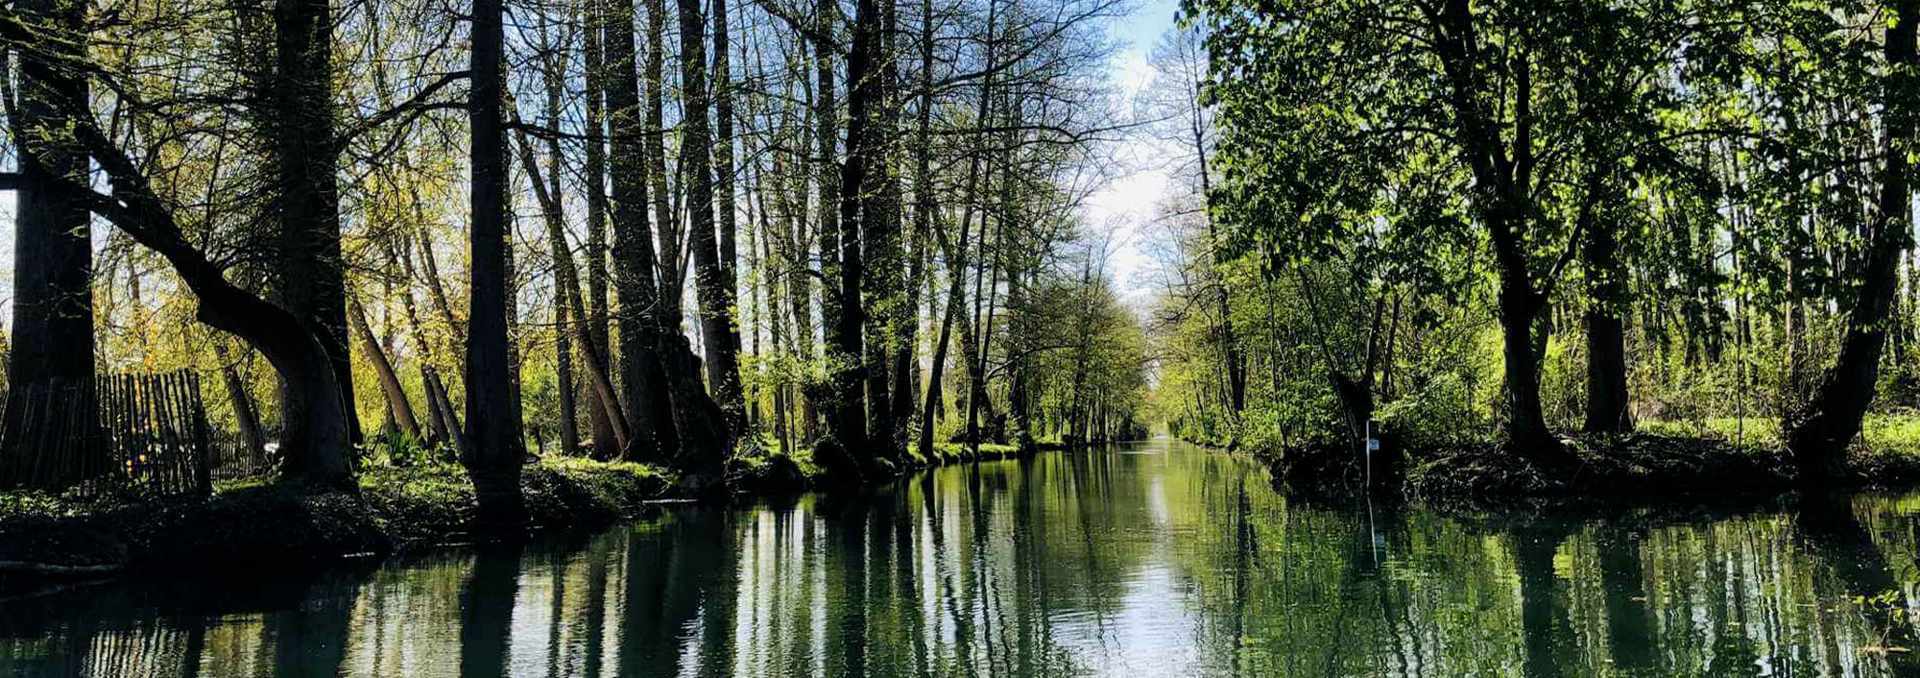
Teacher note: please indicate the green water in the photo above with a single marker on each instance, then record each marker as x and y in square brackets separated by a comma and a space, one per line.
[1155, 559]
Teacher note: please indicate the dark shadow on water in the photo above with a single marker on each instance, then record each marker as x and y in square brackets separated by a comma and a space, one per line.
[1152, 560]
[1830, 527]
[1622, 579]
[1543, 614]
[310, 639]
[486, 611]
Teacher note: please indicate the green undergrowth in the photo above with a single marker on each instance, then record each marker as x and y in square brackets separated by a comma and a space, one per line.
[763, 469]
[1661, 459]
[950, 453]
[434, 502]
[397, 507]
[1887, 452]
[1631, 465]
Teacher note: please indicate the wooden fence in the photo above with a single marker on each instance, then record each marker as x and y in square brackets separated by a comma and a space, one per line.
[232, 459]
[155, 428]
[149, 431]
[48, 436]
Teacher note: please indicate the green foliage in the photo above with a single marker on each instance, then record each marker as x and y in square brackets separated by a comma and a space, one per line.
[1385, 175]
[433, 500]
[18, 504]
[394, 447]
[1440, 416]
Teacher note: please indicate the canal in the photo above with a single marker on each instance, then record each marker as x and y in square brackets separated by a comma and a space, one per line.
[1150, 559]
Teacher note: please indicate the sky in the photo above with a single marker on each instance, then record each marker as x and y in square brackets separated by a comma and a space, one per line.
[1127, 202]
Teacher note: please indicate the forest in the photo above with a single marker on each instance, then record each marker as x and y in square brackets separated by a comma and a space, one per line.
[742, 248]
[1526, 247]
[960, 337]
[1612, 236]
[719, 241]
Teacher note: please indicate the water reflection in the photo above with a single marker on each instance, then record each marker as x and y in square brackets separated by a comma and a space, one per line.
[1155, 559]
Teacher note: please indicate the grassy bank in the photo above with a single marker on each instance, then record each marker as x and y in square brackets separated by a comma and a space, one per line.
[767, 473]
[248, 524]
[257, 523]
[1664, 459]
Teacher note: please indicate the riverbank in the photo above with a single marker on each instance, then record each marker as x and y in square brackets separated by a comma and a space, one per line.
[1663, 462]
[729, 592]
[397, 508]
[258, 523]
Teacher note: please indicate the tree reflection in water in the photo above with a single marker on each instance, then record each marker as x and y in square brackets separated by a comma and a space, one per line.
[1156, 559]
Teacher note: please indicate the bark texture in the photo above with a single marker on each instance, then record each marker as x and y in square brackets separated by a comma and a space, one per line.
[1820, 432]
[493, 414]
[52, 338]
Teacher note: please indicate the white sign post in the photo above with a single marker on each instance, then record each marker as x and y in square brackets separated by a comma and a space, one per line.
[1372, 445]
[1367, 449]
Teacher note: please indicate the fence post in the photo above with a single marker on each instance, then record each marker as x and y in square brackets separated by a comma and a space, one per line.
[202, 438]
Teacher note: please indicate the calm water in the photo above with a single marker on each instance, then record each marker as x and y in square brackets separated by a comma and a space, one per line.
[1157, 559]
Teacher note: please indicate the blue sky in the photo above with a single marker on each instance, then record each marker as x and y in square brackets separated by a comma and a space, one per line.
[1128, 201]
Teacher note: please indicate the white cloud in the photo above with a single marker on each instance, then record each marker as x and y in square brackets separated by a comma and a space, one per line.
[1127, 205]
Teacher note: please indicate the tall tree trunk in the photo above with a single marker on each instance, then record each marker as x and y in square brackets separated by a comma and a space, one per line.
[847, 419]
[668, 269]
[435, 424]
[397, 405]
[311, 276]
[1229, 342]
[442, 406]
[244, 414]
[826, 140]
[956, 255]
[799, 281]
[904, 365]
[713, 277]
[1019, 417]
[1607, 399]
[978, 325]
[493, 417]
[1502, 205]
[1524, 421]
[569, 322]
[956, 306]
[643, 375]
[567, 284]
[776, 324]
[979, 403]
[606, 409]
[1819, 433]
[1077, 409]
[52, 339]
[723, 161]
[563, 378]
[880, 230]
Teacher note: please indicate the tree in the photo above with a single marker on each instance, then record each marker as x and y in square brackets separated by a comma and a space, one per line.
[311, 280]
[847, 403]
[1485, 86]
[713, 277]
[52, 341]
[643, 377]
[1179, 71]
[493, 414]
[607, 408]
[399, 409]
[1819, 433]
